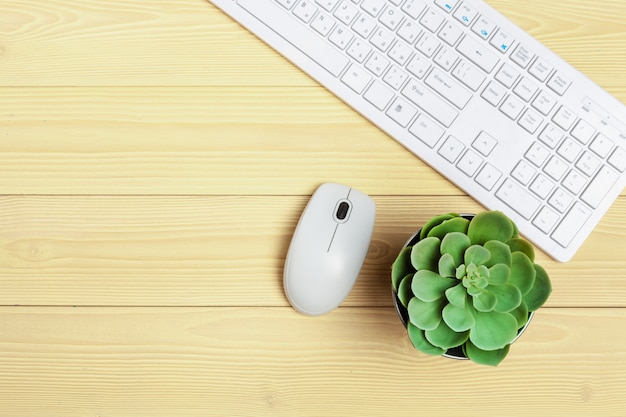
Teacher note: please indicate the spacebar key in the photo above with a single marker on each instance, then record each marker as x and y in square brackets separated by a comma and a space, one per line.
[299, 36]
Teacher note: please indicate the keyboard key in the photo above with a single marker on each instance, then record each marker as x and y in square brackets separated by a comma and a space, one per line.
[522, 56]
[430, 103]
[447, 5]
[494, 93]
[373, 7]
[446, 58]
[574, 182]
[341, 37]
[571, 224]
[409, 31]
[432, 20]
[544, 103]
[556, 168]
[588, 163]
[450, 33]
[569, 150]
[599, 187]
[537, 154]
[377, 64]
[346, 13]
[561, 200]
[359, 50]
[305, 11]
[542, 186]
[488, 177]
[414, 8]
[559, 83]
[382, 39]
[391, 18]
[525, 89]
[427, 44]
[507, 75]
[465, 14]
[530, 121]
[323, 24]
[512, 107]
[551, 136]
[601, 145]
[469, 75]
[518, 198]
[484, 143]
[327, 5]
[451, 149]
[395, 77]
[300, 36]
[502, 41]
[448, 88]
[356, 78]
[478, 54]
[618, 159]
[484, 27]
[469, 163]
[564, 118]
[379, 95]
[583, 132]
[419, 66]
[364, 26]
[546, 219]
[401, 112]
[426, 130]
[400, 52]
[540, 69]
[523, 172]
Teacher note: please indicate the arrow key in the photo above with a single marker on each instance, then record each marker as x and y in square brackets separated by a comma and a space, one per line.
[451, 149]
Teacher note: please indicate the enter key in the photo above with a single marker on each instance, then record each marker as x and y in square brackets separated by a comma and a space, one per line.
[451, 90]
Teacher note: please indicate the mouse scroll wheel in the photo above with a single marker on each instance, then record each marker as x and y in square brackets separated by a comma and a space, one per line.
[342, 210]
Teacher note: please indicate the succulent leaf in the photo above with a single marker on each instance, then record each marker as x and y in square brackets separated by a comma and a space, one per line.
[520, 314]
[485, 301]
[434, 222]
[404, 290]
[418, 339]
[455, 224]
[490, 225]
[476, 255]
[499, 274]
[540, 291]
[522, 272]
[500, 253]
[455, 244]
[459, 319]
[425, 315]
[447, 266]
[508, 295]
[521, 245]
[486, 357]
[401, 267]
[493, 330]
[457, 295]
[446, 338]
[429, 286]
[425, 254]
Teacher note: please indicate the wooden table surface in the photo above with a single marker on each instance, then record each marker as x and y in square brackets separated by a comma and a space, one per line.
[155, 158]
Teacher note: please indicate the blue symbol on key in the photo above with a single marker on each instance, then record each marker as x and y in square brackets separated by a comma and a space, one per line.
[484, 33]
[465, 19]
[504, 47]
[449, 7]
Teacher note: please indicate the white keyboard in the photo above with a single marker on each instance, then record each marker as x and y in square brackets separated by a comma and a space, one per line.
[471, 94]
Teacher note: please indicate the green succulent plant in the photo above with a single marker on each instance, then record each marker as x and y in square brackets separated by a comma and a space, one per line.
[469, 283]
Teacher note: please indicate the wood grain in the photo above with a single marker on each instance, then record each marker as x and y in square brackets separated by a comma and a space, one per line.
[272, 361]
[230, 250]
[154, 160]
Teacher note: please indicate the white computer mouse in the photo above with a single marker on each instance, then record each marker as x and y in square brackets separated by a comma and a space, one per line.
[328, 248]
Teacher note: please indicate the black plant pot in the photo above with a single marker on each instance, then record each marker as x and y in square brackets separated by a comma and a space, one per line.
[455, 352]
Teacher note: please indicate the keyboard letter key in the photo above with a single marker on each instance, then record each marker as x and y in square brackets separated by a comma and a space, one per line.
[518, 198]
[301, 37]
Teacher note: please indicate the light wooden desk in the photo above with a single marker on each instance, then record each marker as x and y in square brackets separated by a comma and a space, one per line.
[155, 158]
